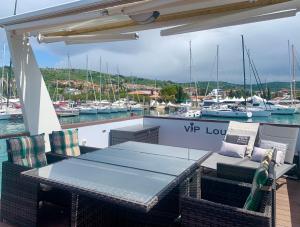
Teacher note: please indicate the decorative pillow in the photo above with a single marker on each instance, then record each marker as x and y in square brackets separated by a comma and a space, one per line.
[259, 154]
[280, 147]
[27, 151]
[65, 142]
[236, 139]
[233, 150]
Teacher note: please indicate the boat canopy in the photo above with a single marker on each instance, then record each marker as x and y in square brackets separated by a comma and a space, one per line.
[114, 20]
[93, 21]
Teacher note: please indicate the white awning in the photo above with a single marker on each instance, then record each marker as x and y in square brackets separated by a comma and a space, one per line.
[115, 20]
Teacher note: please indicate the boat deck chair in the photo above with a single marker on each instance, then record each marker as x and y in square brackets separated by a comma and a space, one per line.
[280, 134]
[234, 128]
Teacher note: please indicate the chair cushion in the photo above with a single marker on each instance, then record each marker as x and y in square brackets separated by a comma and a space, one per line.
[27, 151]
[241, 140]
[65, 142]
[280, 147]
[233, 150]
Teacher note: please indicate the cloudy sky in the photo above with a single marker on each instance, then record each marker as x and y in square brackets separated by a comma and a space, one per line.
[167, 58]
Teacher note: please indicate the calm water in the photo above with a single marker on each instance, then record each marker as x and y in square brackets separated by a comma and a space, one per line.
[8, 127]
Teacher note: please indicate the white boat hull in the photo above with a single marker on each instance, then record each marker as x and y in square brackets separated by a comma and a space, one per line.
[4, 116]
[282, 111]
[229, 114]
[260, 113]
[88, 111]
[104, 111]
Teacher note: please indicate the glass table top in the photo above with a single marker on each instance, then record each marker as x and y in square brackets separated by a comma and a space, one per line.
[162, 150]
[121, 183]
[144, 161]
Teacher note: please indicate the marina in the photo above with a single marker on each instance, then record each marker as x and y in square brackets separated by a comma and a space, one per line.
[90, 147]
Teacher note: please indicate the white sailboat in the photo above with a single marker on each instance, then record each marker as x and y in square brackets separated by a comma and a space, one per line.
[223, 110]
[87, 109]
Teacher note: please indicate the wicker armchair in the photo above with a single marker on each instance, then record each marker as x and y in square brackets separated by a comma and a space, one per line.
[222, 205]
[20, 198]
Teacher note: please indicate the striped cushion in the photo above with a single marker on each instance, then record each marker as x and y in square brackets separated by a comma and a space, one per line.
[65, 142]
[27, 151]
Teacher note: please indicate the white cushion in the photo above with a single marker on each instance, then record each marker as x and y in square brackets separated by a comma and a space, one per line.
[280, 147]
[233, 150]
[258, 154]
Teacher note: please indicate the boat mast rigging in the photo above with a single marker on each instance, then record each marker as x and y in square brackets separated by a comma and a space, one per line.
[244, 70]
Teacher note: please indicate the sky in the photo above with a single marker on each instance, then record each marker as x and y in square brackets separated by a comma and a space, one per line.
[167, 58]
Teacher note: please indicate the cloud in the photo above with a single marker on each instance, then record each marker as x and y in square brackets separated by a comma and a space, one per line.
[167, 58]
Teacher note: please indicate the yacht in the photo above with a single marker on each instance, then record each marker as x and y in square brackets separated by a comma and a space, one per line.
[259, 112]
[277, 109]
[88, 110]
[225, 111]
[8, 113]
[136, 107]
[103, 109]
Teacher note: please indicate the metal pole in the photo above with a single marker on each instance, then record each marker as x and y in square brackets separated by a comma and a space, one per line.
[244, 70]
[218, 75]
[100, 82]
[190, 67]
[294, 73]
[290, 69]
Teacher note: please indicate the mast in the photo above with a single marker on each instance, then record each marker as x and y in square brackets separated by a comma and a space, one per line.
[112, 88]
[291, 74]
[218, 74]
[244, 70]
[118, 71]
[250, 74]
[190, 44]
[87, 76]
[69, 76]
[294, 73]
[100, 82]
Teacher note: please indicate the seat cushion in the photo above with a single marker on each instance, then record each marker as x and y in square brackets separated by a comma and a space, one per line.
[211, 161]
[65, 142]
[27, 151]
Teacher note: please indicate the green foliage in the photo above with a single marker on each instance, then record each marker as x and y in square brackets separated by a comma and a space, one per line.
[181, 96]
[173, 93]
[168, 93]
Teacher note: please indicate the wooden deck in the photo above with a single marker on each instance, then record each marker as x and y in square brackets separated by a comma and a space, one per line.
[288, 203]
[287, 207]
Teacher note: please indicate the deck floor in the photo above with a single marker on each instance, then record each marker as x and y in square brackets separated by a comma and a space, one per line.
[288, 203]
[287, 206]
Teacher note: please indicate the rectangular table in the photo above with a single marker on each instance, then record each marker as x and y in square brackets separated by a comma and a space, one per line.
[129, 175]
[163, 150]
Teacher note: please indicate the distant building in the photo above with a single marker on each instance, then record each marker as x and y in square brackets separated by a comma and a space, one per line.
[149, 93]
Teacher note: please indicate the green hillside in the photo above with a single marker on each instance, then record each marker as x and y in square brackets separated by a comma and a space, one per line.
[51, 76]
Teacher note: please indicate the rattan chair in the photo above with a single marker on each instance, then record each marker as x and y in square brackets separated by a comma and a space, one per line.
[222, 204]
[21, 199]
